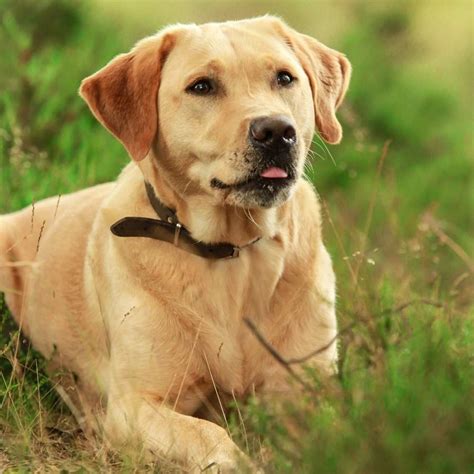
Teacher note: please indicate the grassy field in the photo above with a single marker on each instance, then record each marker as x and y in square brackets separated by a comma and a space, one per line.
[398, 200]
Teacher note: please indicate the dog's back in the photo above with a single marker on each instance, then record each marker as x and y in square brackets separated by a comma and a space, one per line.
[25, 239]
[20, 236]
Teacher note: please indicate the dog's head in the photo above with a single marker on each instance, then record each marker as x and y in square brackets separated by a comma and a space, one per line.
[228, 110]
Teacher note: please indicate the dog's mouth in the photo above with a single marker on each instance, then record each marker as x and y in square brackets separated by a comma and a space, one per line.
[272, 178]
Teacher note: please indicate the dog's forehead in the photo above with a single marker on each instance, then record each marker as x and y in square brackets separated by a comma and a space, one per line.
[230, 43]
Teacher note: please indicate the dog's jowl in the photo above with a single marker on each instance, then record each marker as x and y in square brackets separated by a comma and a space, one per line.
[141, 287]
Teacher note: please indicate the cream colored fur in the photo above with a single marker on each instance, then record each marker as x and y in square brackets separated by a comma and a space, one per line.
[147, 329]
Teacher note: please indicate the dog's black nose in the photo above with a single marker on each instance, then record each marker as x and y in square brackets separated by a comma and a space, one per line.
[276, 131]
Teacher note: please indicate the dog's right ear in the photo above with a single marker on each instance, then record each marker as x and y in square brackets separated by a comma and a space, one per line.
[123, 94]
[328, 72]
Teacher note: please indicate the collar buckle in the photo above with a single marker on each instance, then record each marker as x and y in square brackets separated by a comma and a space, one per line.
[177, 232]
[235, 253]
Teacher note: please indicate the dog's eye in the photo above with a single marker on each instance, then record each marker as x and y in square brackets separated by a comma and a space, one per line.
[201, 87]
[284, 78]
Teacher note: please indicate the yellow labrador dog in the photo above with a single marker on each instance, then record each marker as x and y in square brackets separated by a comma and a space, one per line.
[139, 288]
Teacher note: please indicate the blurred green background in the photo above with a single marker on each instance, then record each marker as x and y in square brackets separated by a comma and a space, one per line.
[399, 225]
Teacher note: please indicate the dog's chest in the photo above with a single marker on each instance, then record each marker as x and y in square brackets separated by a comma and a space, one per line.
[245, 290]
[189, 318]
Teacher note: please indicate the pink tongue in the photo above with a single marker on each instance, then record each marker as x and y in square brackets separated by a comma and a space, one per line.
[274, 172]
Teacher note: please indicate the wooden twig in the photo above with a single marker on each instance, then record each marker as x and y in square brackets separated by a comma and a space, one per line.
[398, 309]
[301, 360]
[39, 236]
[287, 363]
[57, 207]
[275, 354]
[445, 239]
[405, 305]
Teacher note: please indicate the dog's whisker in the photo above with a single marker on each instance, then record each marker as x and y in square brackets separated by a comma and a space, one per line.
[322, 144]
[251, 218]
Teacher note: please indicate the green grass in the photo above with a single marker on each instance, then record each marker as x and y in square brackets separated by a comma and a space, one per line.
[399, 231]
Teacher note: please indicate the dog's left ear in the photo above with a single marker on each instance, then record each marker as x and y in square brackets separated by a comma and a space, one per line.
[329, 73]
[123, 94]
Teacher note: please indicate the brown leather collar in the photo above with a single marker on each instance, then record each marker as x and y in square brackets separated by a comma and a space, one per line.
[168, 229]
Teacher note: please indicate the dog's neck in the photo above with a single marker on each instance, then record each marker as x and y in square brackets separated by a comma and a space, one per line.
[209, 222]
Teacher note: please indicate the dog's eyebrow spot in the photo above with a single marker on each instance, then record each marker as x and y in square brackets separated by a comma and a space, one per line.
[274, 64]
[214, 67]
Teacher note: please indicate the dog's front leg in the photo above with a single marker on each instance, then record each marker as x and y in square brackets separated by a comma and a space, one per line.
[139, 422]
